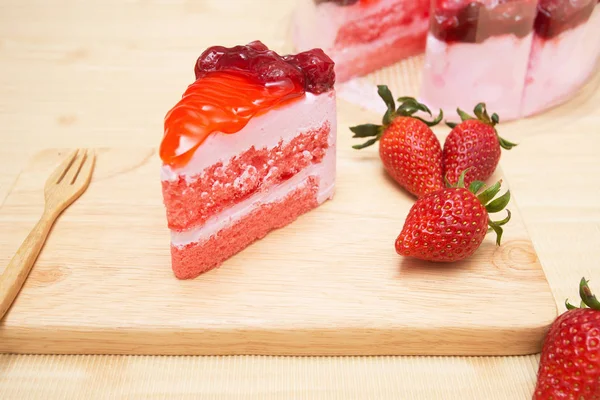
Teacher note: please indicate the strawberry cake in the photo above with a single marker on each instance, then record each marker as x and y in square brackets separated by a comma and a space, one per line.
[250, 147]
[362, 35]
[519, 56]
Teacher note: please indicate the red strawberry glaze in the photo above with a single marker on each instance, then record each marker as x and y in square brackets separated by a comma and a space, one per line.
[475, 21]
[557, 16]
[220, 101]
[346, 2]
[234, 85]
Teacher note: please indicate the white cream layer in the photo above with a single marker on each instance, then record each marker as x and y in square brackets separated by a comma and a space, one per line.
[265, 131]
[325, 171]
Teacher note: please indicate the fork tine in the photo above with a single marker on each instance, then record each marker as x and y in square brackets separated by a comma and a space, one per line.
[84, 172]
[62, 169]
[72, 173]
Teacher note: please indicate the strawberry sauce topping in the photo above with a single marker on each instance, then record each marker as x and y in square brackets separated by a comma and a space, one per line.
[345, 2]
[476, 21]
[557, 16]
[232, 86]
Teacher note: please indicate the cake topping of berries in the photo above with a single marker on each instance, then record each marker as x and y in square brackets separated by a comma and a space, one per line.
[232, 86]
[408, 148]
[312, 70]
[338, 2]
[345, 2]
[475, 21]
[557, 16]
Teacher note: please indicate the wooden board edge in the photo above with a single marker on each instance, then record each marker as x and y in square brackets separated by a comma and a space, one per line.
[278, 342]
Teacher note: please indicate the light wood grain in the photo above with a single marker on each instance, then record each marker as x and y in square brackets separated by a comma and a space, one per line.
[328, 284]
[68, 181]
[65, 64]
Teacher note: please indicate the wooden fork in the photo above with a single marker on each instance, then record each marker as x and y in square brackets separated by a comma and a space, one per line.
[62, 188]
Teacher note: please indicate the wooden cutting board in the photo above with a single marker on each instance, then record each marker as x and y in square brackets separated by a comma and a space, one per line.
[328, 284]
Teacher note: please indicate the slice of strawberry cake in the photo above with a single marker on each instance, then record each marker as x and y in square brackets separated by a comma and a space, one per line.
[250, 146]
[362, 36]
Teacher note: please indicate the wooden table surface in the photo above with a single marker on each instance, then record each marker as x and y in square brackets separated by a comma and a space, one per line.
[102, 73]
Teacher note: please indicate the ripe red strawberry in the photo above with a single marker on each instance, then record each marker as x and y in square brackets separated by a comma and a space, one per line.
[408, 148]
[570, 360]
[450, 224]
[474, 143]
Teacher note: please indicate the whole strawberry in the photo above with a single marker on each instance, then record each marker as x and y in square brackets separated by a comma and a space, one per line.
[408, 148]
[474, 143]
[450, 224]
[570, 360]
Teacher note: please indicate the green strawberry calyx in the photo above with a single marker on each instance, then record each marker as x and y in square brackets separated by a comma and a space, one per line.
[486, 196]
[588, 300]
[482, 115]
[407, 108]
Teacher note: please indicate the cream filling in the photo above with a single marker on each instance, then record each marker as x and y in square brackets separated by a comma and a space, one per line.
[325, 170]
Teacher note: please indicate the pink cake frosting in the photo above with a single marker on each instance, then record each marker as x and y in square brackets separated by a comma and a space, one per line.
[464, 74]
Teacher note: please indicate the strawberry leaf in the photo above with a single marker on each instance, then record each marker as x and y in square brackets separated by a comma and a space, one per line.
[461, 178]
[447, 182]
[388, 117]
[476, 186]
[365, 144]
[495, 119]
[505, 144]
[489, 193]
[463, 115]
[482, 114]
[366, 130]
[435, 121]
[412, 102]
[569, 306]
[498, 229]
[386, 95]
[586, 295]
[505, 220]
[499, 204]
[451, 125]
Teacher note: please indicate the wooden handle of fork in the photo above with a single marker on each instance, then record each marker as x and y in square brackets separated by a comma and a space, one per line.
[13, 277]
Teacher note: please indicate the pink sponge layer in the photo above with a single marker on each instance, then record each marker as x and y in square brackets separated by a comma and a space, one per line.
[196, 258]
[218, 188]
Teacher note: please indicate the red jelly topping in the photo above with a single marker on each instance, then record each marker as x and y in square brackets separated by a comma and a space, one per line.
[232, 86]
[476, 21]
[557, 16]
[345, 2]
